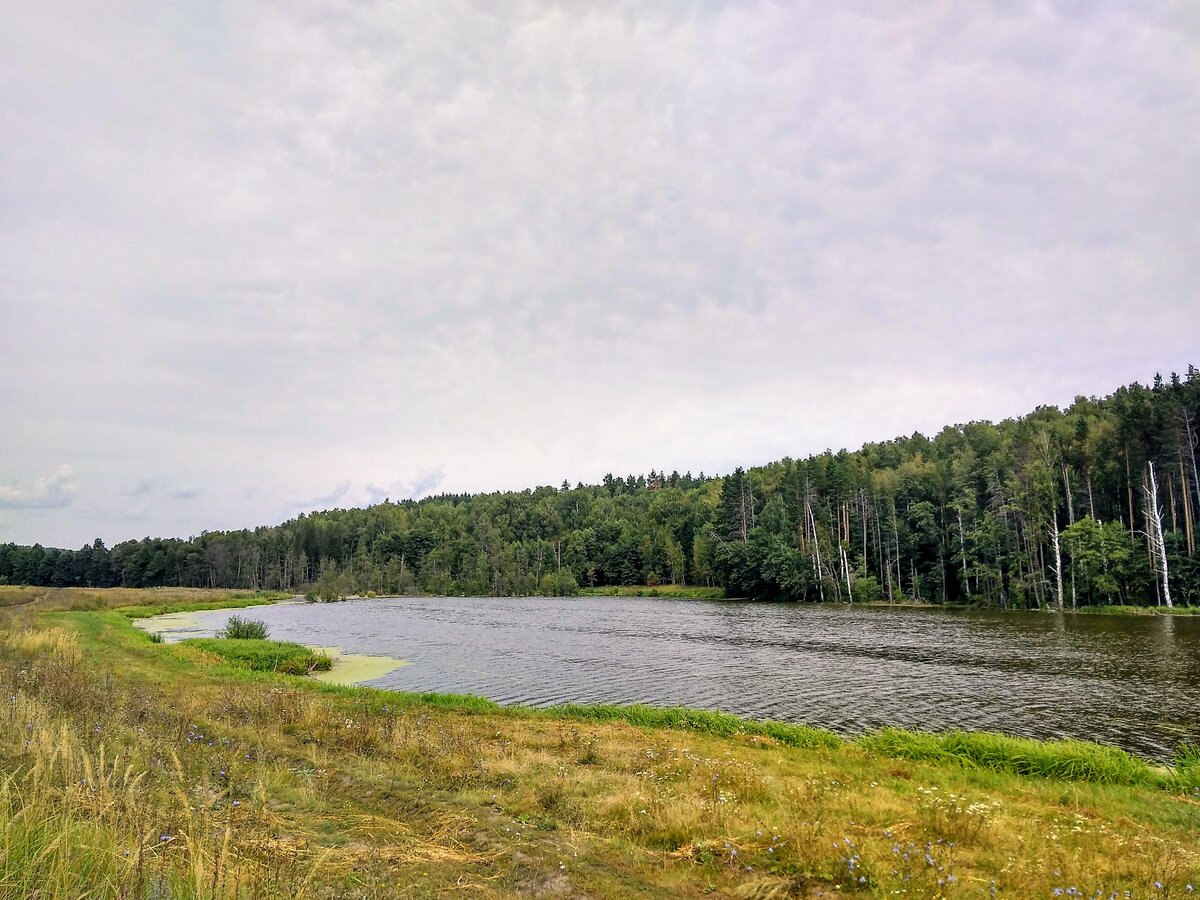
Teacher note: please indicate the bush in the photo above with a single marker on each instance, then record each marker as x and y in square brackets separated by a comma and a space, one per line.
[867, 590]
[244, 629]
[156, 637]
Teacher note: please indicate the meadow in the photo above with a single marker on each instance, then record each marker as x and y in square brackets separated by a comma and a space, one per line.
[134, 769]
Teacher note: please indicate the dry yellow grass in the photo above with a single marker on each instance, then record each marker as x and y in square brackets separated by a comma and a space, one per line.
[134, 771]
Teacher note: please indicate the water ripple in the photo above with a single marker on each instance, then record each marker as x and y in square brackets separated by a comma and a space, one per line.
[1129, 681]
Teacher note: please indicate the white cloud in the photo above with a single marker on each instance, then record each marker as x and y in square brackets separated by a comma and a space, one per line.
[50, 492]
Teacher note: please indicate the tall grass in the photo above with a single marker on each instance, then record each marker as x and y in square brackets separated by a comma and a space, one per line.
[1064, 760]
[264, 656]
[704, 721]
[82, 819]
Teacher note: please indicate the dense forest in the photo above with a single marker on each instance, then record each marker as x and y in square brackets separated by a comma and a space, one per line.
[1092, 505]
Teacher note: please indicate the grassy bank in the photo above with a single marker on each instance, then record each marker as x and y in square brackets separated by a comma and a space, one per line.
[135, 769]
[263, 655]
[1141, 611]
[660, 590]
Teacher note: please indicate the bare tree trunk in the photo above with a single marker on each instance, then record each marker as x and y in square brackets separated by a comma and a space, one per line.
[885, 553]
[1192, 438]
[1154, 522]
[962, 544]
[1067, 486]
[864, 530]
[1129, 489]
[1188, 518]
[1171, 505]
[1058, 579]
[816, 549]
[896, 538]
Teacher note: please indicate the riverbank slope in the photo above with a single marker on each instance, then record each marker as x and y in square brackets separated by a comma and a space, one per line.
[137, 768]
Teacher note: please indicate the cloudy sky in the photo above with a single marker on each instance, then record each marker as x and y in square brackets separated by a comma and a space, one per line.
[258, 258]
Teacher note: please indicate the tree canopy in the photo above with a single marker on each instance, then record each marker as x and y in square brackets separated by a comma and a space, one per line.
[1047, 509]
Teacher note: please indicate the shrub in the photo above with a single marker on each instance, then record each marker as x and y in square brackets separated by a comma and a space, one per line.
[156, 637]
[867, 589]
[244, 629]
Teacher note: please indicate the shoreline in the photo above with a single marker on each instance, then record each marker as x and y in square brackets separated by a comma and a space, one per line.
[353, 789]
[355, 671]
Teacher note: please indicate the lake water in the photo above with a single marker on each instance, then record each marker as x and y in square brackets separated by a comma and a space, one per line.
[1129, 681]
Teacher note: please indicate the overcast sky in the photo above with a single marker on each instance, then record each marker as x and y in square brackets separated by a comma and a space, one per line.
[259, 258]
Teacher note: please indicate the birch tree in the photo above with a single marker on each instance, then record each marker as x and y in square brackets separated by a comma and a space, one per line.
[1155, 525]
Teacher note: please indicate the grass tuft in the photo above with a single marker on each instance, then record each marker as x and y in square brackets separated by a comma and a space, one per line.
[704, 721]
[1064, 760]
[264, 656]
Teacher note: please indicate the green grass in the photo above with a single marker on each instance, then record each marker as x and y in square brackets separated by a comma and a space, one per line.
[1064, 760]
[704, 721]
[1140, 610]
[263, 655]
[680, 591]
[235, 601]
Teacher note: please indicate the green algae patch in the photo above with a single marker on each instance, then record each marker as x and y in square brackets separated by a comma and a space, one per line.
[353, 668]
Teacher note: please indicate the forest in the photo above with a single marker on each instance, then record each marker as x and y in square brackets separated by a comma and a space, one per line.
[1094, 505]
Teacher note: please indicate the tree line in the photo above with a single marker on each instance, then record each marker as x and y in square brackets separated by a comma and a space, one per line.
[1092, 505]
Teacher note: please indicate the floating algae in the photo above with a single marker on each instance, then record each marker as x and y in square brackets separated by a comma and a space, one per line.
[350, 668]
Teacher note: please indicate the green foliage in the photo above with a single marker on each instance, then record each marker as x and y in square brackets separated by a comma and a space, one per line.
[238, 628]
[259, 655]
[155, 637]
[867, 590]
[968, 515]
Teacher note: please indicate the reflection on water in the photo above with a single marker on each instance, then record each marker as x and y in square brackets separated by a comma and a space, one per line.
[1130, 681]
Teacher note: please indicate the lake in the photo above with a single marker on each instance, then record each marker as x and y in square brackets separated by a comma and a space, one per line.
[1130, 681]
